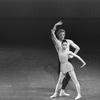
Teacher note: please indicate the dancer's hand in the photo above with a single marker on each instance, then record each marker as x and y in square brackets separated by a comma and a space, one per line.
[59, 23]
[71, 56]
[83, 65]
[54, 28]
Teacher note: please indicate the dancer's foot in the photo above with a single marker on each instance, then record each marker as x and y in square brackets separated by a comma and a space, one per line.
[54, 95]
[78, 97]
[62, 93]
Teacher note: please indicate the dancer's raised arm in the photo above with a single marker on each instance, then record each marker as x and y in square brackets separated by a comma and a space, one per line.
[71, 53]
[54, 38]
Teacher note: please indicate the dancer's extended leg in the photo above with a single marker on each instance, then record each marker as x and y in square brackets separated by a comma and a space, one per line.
[74, 79]
[59, 85]
[64, 83]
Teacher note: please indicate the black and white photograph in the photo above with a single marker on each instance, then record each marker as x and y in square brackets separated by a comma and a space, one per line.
[49, 50]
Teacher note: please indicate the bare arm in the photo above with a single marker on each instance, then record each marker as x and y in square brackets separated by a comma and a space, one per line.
[55, 43]
[78, 58]
[77, 48]
[53, 36]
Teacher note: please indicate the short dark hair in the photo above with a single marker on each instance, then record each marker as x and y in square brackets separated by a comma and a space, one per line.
[64, 41]
[60, 31]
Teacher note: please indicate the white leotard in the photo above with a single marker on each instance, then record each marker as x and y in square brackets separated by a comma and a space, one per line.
[63, 57]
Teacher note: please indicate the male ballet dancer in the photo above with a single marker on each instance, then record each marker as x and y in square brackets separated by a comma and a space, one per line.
[61, 35]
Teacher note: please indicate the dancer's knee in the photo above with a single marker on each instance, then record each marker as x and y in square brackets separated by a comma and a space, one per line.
[76, 82]
[61, 78]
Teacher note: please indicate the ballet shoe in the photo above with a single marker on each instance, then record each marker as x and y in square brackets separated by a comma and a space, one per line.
[54, 95]
[78, 97]
[62, 93]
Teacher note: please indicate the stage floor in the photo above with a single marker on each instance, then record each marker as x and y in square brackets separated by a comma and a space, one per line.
[31, 74]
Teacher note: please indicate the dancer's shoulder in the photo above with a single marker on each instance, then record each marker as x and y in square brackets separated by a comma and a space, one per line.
[69, 40]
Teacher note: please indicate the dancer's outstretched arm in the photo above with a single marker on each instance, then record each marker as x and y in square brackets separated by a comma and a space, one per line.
[78, 58]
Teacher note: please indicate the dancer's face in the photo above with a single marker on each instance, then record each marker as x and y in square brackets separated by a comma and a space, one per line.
[62, 35]
[64, 45]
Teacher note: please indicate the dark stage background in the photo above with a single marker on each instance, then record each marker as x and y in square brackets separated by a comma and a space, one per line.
[23, 21]
[28, 59]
